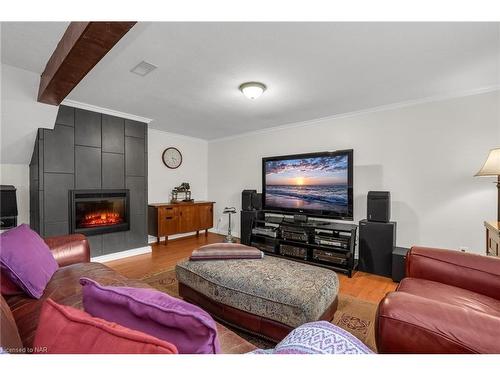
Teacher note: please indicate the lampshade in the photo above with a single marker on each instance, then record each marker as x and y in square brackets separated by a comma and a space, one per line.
[491, 166]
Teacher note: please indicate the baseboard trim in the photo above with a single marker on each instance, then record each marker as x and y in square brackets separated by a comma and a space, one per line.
[122, 254]
[152, 239]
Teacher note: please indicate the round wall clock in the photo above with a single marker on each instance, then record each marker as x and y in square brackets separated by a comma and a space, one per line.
[172, 157]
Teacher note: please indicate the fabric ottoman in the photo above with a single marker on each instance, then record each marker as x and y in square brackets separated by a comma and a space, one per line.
[268, 297]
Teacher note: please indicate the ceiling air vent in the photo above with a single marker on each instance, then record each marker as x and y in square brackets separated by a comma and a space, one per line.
[143, 68]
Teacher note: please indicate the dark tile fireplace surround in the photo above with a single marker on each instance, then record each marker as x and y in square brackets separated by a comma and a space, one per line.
[89, 175]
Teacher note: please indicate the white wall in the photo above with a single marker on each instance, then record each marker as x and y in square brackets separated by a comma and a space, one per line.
[18, 175]
[161, 180]
[21, 114]
[425, 154]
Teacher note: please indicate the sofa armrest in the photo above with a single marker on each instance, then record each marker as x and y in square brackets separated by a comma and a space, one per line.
[70, 249]
[477, 273]
[410, 324]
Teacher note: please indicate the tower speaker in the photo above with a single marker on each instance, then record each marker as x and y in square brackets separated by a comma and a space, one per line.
[376, 243]
[246, 225]
[379, 206]
[246, 199]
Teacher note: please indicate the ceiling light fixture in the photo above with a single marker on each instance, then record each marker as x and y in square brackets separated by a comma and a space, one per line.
[252, 90]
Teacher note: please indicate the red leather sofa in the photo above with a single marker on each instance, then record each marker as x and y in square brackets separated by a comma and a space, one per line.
[20, 313]
[449, 302]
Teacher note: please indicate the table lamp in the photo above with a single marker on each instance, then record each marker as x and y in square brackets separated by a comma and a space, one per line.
[491, 167]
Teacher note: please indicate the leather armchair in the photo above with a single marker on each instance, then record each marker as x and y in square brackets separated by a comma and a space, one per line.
[449, 302]
[69, 249]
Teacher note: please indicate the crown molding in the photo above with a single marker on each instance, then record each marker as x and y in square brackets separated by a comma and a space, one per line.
[107, 111]
[381, 108]
[179, 136]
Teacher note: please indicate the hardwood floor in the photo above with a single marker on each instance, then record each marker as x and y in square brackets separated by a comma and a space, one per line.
[362, 285]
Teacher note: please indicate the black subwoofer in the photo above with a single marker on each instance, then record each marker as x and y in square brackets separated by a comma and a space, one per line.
[399, 263]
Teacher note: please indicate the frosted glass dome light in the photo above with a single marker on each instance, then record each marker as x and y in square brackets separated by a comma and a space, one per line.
[252, 90]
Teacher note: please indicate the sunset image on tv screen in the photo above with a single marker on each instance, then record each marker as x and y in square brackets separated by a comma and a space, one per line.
[318, 183]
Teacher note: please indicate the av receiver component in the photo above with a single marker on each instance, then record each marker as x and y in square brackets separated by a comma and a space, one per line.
[324, 232]
[332, 233]
[293, 251]
[269, 247]
[265, 231]
[274, 219]
[300, 218]
[327, 256]
[294, 234]
[330, 241]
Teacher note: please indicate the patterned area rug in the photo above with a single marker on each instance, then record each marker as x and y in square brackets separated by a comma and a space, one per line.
[353, 314]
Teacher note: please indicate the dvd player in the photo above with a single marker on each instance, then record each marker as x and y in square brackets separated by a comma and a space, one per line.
[265, 231]
[330, 241]
[333, 233]
[329, 257]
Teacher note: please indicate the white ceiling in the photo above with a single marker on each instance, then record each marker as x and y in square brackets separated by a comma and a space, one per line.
[29, 45]
[312, 70]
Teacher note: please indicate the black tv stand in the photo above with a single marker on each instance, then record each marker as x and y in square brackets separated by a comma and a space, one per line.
[315, 241]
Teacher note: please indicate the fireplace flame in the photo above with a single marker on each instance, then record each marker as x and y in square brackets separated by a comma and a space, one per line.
[97, 219]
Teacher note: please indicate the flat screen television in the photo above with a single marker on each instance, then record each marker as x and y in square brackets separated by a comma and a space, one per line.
[318, 184]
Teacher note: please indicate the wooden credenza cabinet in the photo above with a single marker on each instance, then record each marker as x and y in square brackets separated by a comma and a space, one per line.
[166, 219]
[492, 238]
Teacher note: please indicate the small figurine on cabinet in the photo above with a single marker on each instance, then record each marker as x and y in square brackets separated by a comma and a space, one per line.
[183, 188]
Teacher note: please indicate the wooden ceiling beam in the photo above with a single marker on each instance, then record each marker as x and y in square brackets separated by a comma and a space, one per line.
[82, 46]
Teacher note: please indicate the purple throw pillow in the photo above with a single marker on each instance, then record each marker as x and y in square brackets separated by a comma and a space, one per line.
[188, 327]
[26, 260]
[318, 338]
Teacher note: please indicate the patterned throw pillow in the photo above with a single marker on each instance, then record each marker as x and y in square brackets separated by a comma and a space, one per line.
[318, 338]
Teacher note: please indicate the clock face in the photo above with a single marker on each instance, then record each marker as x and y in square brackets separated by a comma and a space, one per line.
[172, 158]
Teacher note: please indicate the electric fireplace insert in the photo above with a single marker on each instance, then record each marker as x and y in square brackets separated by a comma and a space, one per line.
[99, 211]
